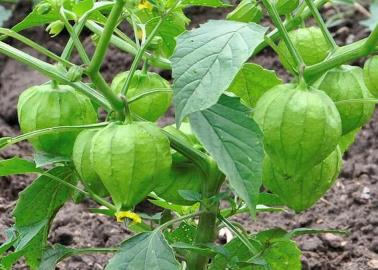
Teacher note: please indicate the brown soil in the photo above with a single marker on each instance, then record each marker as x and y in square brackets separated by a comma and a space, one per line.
[352, 204]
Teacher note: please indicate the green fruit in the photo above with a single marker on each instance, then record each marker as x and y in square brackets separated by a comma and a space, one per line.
[44, 106]
[285, 7]
[309, 42]
[301, 127]
[247, 11]
[347, 140]
[131, 160]
[371, 75]
[184, 176]
[83, 165]
[301, 192]
[345, 83]
[150, 107]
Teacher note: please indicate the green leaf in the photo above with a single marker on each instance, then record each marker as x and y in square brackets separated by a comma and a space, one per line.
[252, 82]
[184, 233]
[269, 199]
[5, 14]
[372, 22]
[207, 60]
[53, 255]
[82, 6]
[145, 251]
[236, 142]
[204, 3]
[17, 165]
[37, 204]
[36, 19]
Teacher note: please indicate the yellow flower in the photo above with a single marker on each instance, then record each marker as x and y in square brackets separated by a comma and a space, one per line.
[122, 215]
[144, 4]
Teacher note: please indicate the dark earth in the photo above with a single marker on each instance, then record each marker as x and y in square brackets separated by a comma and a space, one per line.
[352, 204]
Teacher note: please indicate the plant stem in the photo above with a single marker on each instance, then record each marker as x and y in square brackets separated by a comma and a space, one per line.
[318, 17]
[291, 24]
[129, 46]
[176, 220]
[94, 67]
[102, 47]
[240, 235]
[35, 46]
[95, 197]
[139, 56]
[298, 61]
[51, 130]
[147, 93]
[197, 157]
[76, 41]
[117, 103]
[52, 72]
[206, 229]
[343, 55]
[79, 27]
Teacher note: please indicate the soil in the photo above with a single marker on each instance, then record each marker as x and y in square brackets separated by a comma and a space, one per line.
[352, 204]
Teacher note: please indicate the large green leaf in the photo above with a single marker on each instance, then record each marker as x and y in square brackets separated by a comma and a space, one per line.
[235, 142]
[252, 82]
[35, 209]
[17, 166]
[206, 61]
[145, 251]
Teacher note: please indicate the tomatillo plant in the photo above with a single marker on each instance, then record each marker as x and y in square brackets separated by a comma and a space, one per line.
[238, 128]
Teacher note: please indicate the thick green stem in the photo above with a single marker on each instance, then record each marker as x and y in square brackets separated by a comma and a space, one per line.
[318, 17]
[94, 67]
[298, 61]
[206, 230]
[117, 103]
[102, 47]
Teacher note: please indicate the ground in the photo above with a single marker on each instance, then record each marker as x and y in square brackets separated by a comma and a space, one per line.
[352, 204]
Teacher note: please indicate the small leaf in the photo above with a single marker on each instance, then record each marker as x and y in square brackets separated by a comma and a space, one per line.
[252, 82]
[82, 6]
[53, 255]
[145, 251]
[195, 249]
[235, 141]
[207, 60]
[184, 233]
[17, 165]
[269, 199]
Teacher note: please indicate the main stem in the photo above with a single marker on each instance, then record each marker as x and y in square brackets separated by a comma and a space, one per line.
[99, 56]
[206, 230]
